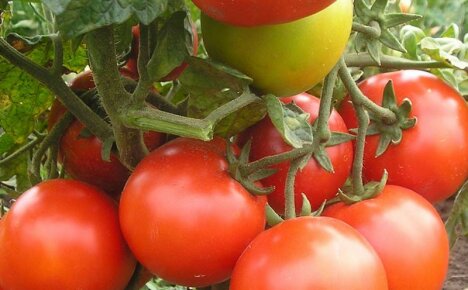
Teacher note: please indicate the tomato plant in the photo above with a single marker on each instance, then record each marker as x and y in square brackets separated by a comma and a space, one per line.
[63, 234]
[406, 232]
[283, 59]
[432, 158]
[324, 254]
[313, 180]
[131, 65]
[198, 220]
[255, 13]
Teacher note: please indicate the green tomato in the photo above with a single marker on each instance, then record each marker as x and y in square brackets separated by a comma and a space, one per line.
[283, 59]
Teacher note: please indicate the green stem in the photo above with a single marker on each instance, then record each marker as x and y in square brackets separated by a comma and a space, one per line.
[322, 133]
[67, 97]
[359, 99]
[53, 153]
[144, 83]
[249, 168]
[372, 31]
[225, 110]
[289, 196]
[113, 95]
[21, 150]
[52, 138]
[58, 55]
[391, 62]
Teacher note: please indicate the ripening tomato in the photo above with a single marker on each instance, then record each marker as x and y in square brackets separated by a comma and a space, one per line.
[432, 158]
[314, 181]
[255, 13]
[197, 219]
[81, 156]
[407, 233]
[64, 234]
[132, 63]
[283, 59]
[309, 253]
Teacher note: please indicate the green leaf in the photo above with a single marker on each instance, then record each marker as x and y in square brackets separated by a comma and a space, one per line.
[444, 50]
[3, 4]
[410, 37]
[290, 121]
[210, 86]
[174, 45]
[23, 99]
[81, 16]
[6, 143]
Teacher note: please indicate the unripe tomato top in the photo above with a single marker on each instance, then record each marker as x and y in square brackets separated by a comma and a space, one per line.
[309, 253]
[432, 158]
[63, 234]
[197, 219]
[255, 13]
[283, 59]
[314, 181]
[407, 233]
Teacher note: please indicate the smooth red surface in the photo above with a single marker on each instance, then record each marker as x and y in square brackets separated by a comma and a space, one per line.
[314, 181]
[255, 12]
[309, 253]
[432, 158]
[197, 219]
[407, 233]
[63, 234]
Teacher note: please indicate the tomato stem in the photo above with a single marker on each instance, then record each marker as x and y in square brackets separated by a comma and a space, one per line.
[57, 66]
[289, 196]
[21, 150]
[113, 95]
[144, 82]
[55, 83]
[372, 31]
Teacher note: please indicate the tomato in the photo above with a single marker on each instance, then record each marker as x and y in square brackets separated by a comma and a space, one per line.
[81, 156]
[255, 13]
[407, 233]
[314, 181]
[64, 234]
[432, 158]
[132, 63]
[309, 253]
[283, 59]
[197, 219]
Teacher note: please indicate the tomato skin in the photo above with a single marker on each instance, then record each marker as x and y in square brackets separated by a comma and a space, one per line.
[407, 233]
[432, 158]
[309, 253]
[198, 220]
[283, 59]
[255, 13]
[64, 234]
[314, 181]
[132, 64]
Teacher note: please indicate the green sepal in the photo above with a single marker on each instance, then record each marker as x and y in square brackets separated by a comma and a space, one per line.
[390, 40]
[375, 49]
[395, 19]
[391, 133]
[290, 121]
[371, 190]
[306, 209]
[107, 149]
[262, 173]
[272, 217]
[321, 156]
[338, 138]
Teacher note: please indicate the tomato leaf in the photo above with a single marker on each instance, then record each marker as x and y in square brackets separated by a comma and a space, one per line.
[81, 16]
[210, 86]
[290, 121]
[174, 44]
[458, 218]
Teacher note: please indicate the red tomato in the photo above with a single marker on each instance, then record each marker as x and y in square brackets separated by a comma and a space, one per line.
[314, 181]
[197, 219]
[255, 13]
[407, 233]
[432, 158]
[132, 63]
[309, 253]
[64, 234]
[81, 156]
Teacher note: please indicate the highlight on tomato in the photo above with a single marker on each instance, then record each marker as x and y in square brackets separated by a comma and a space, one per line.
[432, 158]
[64, 234]
[256, 13]
[314, 181]
[407, 233]
[282, 59]
[309, 253]
[197, 219]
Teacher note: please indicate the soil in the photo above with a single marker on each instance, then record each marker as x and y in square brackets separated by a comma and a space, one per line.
[457, 277]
